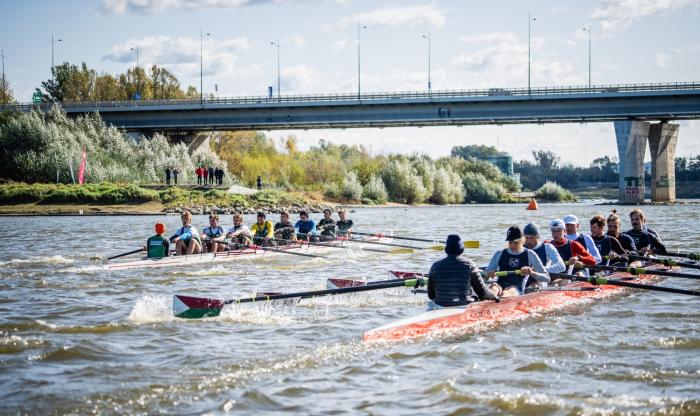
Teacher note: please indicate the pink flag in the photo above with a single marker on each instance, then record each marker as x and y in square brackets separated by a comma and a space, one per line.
[81, 170]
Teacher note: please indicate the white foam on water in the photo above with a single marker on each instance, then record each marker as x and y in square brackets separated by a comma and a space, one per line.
[261, 313]
[57, 259]
[151, 308]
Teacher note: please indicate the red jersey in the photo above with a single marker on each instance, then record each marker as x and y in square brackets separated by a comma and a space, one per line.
[568, 249]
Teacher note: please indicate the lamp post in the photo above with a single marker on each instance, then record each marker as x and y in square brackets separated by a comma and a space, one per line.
[359, 89]
[588, 29]
[4, 91]
[52, 54]
[201, 64]
[136, 49]
[277, 44]
[529, 24]
[429, 42]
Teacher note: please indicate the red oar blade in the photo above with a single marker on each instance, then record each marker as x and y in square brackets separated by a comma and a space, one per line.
[336, 283]
[189, 307]
[407, 275]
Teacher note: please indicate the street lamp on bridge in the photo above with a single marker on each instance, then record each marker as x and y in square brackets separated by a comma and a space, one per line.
[201, 64]
[429, 42]
[277, 44]
[588, 29]
[529, 23]
[53, 77]
[136, 49]
[358, 59]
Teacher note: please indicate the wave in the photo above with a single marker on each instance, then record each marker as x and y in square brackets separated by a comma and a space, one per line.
[56, 259]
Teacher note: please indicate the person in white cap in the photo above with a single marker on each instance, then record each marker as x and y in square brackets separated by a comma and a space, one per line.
[549, 255]
[572, 252]
[515, 257]
[572, 234]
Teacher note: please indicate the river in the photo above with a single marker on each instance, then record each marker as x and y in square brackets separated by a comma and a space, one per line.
[76, 339]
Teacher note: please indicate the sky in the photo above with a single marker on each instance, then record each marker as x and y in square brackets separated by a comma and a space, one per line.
[474, 45]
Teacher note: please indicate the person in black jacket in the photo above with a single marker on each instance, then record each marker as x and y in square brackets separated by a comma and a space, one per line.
[455, 280]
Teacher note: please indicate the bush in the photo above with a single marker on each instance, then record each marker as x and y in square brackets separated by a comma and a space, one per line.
[352, 189]
[403, 182]
[447, 187]
[553, 192]
[479, 189]
[375, 191]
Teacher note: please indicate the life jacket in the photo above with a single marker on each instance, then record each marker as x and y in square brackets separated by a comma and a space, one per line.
[604, 246]
[214, 232]
[510, 262]
[155, 246]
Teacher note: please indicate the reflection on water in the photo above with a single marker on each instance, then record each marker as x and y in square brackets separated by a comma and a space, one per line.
[75, 338]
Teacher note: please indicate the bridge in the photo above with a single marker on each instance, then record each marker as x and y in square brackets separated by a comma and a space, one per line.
[640, 112]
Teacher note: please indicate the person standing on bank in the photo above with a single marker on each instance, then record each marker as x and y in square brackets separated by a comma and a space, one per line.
[515, 258]
[167, 175]
[455, 280]
[259, 182]
[211, 175]
[175, 173]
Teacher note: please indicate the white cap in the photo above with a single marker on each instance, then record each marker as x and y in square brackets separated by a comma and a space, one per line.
[571, 219]
[556, 224]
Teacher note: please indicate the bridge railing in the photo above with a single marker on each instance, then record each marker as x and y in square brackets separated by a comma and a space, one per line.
[375, 96]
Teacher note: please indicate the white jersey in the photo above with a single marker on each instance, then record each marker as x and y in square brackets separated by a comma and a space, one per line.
[239, 231]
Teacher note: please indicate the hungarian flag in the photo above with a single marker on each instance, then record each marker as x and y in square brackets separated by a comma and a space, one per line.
[81, 170]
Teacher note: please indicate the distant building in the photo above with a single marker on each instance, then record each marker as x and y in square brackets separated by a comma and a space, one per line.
[503, 162]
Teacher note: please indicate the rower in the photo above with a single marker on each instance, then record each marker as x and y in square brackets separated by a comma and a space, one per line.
[515, 257]
[262, 230]
[327, 225]
[186, 238]
[305, 228]
[456, 280]
[614, 231]
[572, 234]
[607, 245]
[239, 233]
[551, 260]
[647, 241]
[344, 224]
[573, 253]
[158, 246]
[212, 234]
[284, 230]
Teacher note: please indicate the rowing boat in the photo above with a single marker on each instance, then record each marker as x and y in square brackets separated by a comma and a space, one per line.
[482, 314]
[248, 252]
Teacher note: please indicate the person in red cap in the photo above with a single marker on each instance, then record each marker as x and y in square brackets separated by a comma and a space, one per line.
[158, 246]
[455, 280]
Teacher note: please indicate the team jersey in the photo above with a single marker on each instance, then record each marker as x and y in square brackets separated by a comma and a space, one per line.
[327, 227]
[214, 232]
[264, 230]
[286, 231]
[157, 246]
[305, 227]
[344, 225]
[186, 233]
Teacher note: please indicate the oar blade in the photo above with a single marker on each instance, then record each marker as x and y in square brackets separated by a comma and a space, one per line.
[188, 307]
[471, 244]
[401, 251]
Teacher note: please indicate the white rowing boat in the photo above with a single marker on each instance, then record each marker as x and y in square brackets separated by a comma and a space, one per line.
[250, 252]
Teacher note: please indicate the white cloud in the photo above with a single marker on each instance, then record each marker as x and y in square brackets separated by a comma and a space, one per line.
[343, 43]
[426, 15]
[617, 15]
[155, 6]
[297, 40]
[661, 59]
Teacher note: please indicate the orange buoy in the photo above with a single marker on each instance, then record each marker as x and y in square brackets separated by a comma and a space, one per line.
[532, 206]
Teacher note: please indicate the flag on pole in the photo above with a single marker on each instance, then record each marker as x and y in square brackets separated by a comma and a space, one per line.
[81, 170]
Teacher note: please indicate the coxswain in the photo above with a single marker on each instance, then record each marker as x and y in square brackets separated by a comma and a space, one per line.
[647, 241]
[327, 225]
[573, 253]
[572, 225]
[158, 246]
[549, 256]
[614, 231]
[456, 280]
[262, 230]
[608, 246]
[213, 234]
[240, 233]
[515, 257]
[186, 238]
[305, 228]
[344, 224]
[284, 230]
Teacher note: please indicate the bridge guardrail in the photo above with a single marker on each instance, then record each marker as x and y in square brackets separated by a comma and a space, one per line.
[376, 96]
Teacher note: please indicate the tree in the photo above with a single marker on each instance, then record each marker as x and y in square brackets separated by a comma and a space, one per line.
[475, 151]
[546, 159]
[6, 93]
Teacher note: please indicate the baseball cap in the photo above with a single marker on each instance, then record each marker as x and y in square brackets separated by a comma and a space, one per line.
[571, 219]
[514, 233]
[556, 224]
[531, 229]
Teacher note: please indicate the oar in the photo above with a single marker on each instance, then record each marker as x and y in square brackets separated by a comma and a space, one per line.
[271, 249]
[379, 243]
[691, 256]
[313, 243]
[639, 270]
[467, 244]
[138, 250]
[194, 308]
[597, 280]
[665, 262]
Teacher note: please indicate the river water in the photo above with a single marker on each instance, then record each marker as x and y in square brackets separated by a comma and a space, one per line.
[77, 339]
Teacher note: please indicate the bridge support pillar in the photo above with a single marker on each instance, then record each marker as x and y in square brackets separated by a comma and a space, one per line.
[662, 145]
[631, 145]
